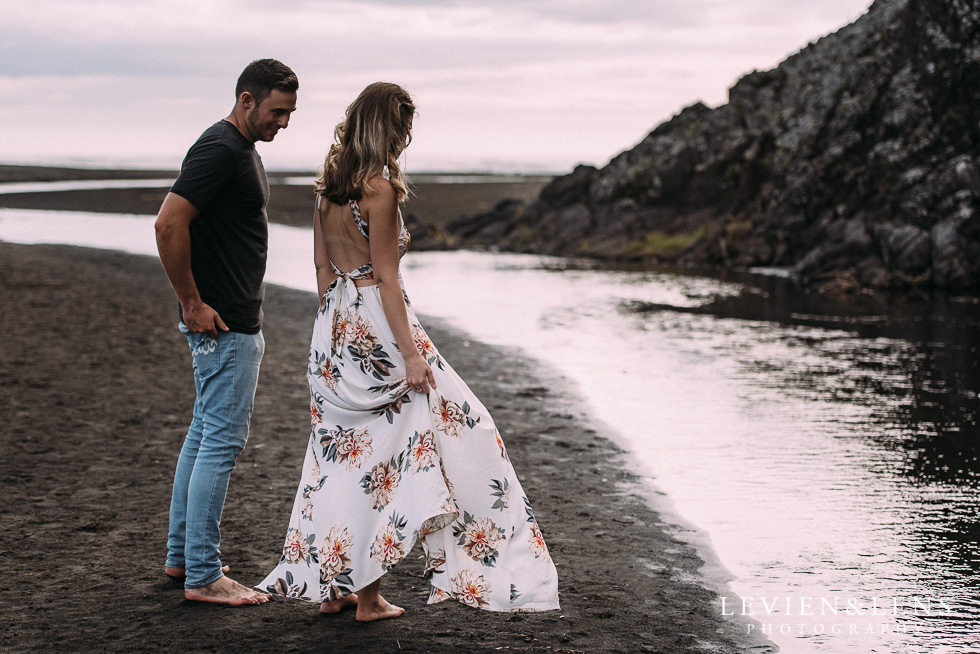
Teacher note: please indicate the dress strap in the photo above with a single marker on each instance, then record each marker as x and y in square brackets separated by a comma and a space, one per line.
[362, 225]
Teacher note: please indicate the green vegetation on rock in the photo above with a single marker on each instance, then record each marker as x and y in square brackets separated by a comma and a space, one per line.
[661, 245]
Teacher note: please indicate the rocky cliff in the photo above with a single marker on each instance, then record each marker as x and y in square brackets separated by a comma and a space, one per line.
[854, 159]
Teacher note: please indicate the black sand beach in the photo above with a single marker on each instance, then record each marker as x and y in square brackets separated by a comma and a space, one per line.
[96, 395]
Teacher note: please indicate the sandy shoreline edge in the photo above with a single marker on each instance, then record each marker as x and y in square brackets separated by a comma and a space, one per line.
[99, 395]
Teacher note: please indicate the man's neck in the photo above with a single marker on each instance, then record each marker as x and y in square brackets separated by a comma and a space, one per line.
[238, 120]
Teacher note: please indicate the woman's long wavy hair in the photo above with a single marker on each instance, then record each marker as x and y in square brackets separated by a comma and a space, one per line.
[375, 130]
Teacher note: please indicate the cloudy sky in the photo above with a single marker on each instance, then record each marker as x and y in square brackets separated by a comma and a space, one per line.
[529, 85]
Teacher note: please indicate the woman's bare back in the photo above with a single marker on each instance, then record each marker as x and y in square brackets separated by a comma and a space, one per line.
[344, 244]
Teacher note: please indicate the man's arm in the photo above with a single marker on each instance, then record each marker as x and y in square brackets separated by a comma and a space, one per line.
[174, 245]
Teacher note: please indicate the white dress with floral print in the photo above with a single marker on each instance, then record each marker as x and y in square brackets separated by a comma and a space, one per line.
[386, 465]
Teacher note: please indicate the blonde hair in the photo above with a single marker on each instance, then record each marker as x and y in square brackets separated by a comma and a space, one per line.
[376, 129]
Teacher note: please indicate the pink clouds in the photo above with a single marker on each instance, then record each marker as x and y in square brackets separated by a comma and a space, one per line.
[508, 85]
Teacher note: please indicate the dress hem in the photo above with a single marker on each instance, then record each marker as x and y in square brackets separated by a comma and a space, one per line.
[536, 607]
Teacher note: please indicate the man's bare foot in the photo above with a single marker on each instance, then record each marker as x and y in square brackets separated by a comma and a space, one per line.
[377, 610]
[226, 591]
[179, 573]
[338, 605]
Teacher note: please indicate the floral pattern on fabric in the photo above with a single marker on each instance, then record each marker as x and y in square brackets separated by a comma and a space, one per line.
[387, 548]
[308, 493]
[349, 447]
[335, 554]
[434, 563]
[479, 538]
[470, 588]
[500, 490]
[437, 595]
[287, 587]
[382, 482]
[322, 367]
[298, 547]
[451, 418]
[536, 543]
[500, 444]
[393, 408]
[386, 465]
[422, 451]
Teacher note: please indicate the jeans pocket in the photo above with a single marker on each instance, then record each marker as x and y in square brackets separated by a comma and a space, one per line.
[204, 350]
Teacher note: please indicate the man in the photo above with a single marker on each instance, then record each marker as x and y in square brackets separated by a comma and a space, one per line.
[212, 235]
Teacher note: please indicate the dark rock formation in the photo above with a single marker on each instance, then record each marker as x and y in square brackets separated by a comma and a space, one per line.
[426, 236]
[857, 157]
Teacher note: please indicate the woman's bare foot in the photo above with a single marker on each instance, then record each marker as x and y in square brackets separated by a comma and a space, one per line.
[379, 609]
[226, 591]
[338, 605]
[178, 573]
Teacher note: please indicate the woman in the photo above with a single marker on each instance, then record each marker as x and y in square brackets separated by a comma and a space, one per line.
[401, 448]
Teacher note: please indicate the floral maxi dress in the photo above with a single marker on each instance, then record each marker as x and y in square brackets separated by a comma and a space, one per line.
[386, 465]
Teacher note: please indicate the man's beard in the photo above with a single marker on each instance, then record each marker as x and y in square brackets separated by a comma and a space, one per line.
[255, 127]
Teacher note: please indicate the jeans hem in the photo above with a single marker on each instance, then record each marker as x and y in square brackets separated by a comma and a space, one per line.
[209, 580]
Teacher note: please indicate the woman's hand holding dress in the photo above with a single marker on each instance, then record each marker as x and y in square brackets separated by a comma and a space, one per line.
[418, 373]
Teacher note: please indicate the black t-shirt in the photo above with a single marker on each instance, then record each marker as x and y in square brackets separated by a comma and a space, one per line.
[222, 175]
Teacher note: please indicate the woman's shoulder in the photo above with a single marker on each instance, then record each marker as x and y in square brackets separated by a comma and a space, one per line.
[380, 186]
[381, 194]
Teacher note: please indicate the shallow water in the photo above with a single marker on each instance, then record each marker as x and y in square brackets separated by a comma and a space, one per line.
[82, 185]
[828, 450]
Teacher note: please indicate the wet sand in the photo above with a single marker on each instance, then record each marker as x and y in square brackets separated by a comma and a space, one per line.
[96, 392]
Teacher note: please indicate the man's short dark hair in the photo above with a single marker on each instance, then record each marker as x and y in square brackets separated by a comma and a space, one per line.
[263, 75]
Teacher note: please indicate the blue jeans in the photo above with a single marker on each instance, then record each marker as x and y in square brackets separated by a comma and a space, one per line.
[226, 371]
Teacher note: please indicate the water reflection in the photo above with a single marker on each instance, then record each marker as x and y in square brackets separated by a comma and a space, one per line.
[916, 363]
[912, 362]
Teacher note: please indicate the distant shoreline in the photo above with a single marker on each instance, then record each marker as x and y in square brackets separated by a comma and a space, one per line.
[439, 197]
[44, 173]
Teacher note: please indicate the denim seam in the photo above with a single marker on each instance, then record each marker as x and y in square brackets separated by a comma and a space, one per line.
[207, 534]
[236, 381]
